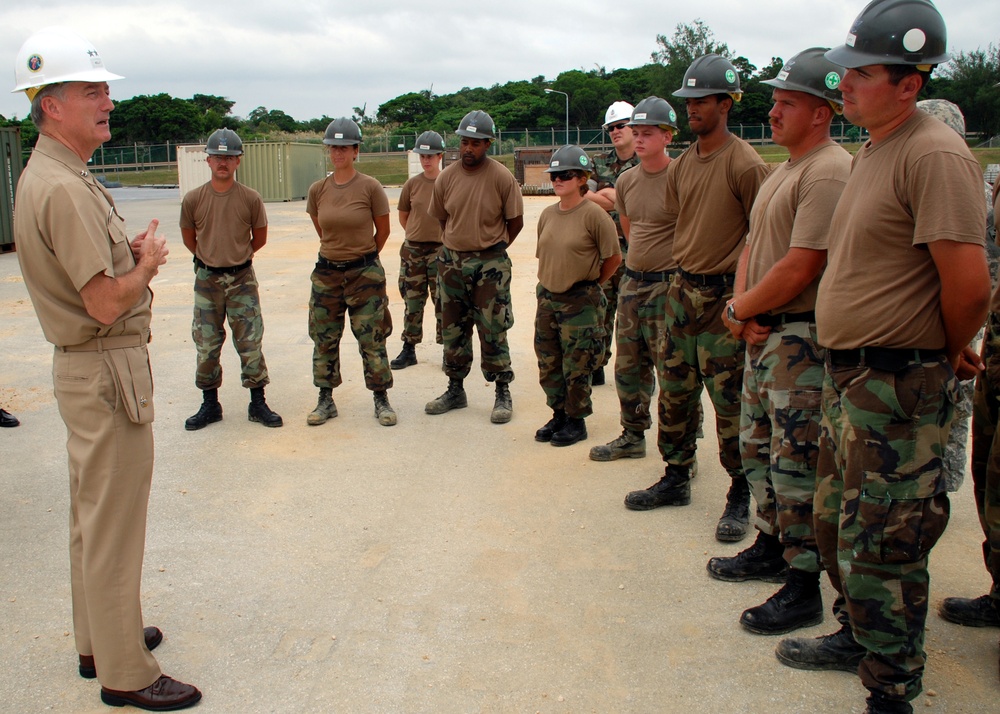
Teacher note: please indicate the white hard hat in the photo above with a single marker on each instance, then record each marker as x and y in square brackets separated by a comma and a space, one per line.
[57, 54]
[619, 111]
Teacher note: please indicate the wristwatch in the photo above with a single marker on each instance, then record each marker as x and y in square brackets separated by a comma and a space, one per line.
[731, 314]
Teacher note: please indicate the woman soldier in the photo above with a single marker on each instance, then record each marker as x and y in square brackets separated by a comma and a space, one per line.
[577, 251]
[345, 208]
[420, 249]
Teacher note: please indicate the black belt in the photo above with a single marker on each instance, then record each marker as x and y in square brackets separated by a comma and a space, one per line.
[361, 262]
[227, 271]
[583, 284]
[705, 280]
[495, 248]
[887, 359]
[766, 320]
[660, 277]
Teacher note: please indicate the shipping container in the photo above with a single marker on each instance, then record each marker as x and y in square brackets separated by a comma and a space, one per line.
[282, 170]
[192, 169]
[10, 152]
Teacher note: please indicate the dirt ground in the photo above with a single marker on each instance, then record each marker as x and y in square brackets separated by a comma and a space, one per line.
[442, 565]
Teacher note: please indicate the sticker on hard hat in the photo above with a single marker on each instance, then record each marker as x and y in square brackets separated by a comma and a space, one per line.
[730, 76]
[832, 80]
[472, 127]
[914, 40]
[35, 63]
[692, 82]
[555, 162]
[583, 161]
[338, 135]
[223, 146]
[851, 39]
[673, 116]
[424, 146]
[782, 75]
[638, 116]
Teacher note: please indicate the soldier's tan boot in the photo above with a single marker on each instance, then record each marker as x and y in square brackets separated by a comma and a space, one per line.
[325, 408]
[385, 414]
[630, 445]
[503, 407]
[454, 398]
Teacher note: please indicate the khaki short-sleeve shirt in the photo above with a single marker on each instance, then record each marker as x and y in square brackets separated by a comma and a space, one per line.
[642, 198]
[793, 210]
[476, 205]
[414, 199]
[572, 245]
[67, 231]
[223, 223]
[881, 287]
[346, 215]
[715, 194]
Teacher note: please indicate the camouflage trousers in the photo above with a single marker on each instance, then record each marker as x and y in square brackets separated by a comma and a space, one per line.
[232, 297]
[701, 351]
[359, 292]
[956, 456]
[640, 345]
[612, 288]
[475, 292]
[881, 505]
[569, 344]
[986, 452]
[417, 278]
[779, 436]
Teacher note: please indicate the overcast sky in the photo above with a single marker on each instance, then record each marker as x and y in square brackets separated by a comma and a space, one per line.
[315, 57]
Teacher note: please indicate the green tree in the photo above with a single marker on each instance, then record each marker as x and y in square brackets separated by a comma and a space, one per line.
[410, 110]
[156, 119]
[211, 103]
[968, 80]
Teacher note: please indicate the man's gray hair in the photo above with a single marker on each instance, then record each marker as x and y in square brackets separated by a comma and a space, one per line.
[58, 90]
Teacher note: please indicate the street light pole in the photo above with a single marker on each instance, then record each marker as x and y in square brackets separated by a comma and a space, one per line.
[556, 91]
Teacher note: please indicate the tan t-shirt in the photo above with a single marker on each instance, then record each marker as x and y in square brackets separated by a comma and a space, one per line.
[67, 231]
[793, 210]
[881, 287]
[572, 245]
[346, 215]
[222, 223]
[414, 199]
[476, 205]
[715, 195]
[641, 198]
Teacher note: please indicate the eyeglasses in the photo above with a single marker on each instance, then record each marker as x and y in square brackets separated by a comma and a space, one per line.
[616, 127]
[564, 175]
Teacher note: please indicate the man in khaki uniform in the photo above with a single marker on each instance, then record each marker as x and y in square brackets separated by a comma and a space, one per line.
[90, 290]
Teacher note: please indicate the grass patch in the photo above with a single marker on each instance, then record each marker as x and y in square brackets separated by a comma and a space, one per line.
[143, 178]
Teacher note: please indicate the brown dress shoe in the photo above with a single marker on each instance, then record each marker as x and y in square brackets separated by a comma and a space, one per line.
[163, 695]
[152, 635]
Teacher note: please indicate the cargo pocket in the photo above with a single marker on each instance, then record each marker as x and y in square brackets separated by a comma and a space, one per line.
[900, 521]
[134, 381]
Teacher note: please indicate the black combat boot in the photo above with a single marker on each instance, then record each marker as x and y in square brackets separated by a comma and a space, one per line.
[735, 519]
[384, 412]
[557, 422]
[597, 378]
[879, 703]
[454, 398]
[674, 489]
[325, 408]
[837, 651]
[761, 561]
[573, 431]
[973, 612]
[258, 410]
[797, 604]
[406, 358]
[209, 412]
[503, 406]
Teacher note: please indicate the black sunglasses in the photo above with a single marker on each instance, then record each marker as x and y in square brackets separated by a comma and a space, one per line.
[564, 175]
[615, 127]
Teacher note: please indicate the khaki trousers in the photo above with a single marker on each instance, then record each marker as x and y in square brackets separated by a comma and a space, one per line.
[110, 470]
